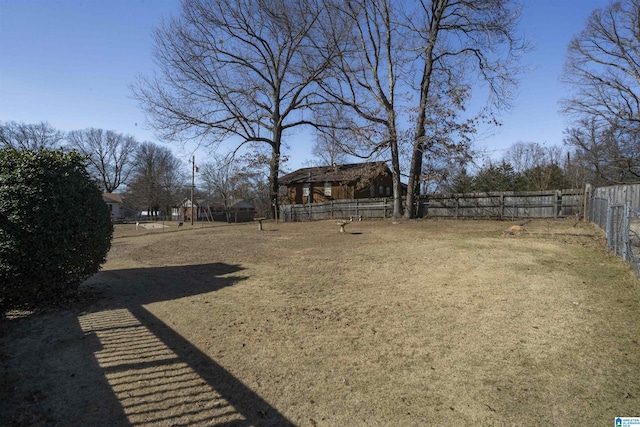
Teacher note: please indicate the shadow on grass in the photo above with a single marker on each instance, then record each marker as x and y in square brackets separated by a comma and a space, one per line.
[157, 375]
[118, 364]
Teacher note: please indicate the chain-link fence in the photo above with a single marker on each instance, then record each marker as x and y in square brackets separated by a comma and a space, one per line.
[621, 224]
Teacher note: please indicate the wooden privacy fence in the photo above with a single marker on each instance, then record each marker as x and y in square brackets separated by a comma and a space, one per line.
[505, 205]
[365, 208]
[623, 194]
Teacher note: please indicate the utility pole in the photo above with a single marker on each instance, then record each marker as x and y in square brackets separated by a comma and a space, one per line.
[193, 183]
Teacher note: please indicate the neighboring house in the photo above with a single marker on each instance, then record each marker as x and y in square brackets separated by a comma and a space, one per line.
[184, 210]
[114, 201]
[204, 210]
[237, 211]
[352, 181]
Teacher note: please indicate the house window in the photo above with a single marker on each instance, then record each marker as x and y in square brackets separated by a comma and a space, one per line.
[388, 191]
[305, 190]
[381, 191]
[327, 189]
[372, 191]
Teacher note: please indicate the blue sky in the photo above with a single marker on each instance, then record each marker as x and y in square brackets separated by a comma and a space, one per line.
[71, 62]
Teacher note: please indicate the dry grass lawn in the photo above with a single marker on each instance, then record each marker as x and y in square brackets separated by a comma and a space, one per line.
[410, 323]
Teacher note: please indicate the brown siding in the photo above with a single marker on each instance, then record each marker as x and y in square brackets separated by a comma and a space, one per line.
[340, 191]
[386, 182]
[294, 194]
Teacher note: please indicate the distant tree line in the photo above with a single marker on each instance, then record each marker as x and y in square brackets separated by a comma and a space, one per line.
[149, 176]
[525, 166]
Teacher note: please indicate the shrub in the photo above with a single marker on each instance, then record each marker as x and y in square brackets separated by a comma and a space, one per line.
[55, 229]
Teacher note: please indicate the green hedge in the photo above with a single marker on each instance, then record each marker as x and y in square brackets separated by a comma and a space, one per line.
[55, 229]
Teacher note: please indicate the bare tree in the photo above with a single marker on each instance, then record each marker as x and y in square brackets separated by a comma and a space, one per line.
[364, 79]
[110, 155]
[525, 155]
[157, 179]
[538, 164]
[38, 136]
[332, 135]
[226, 180]
[255, 171]
[239, 70]
[607, 154]
[449, 139]
[603, 68]
[459, 42]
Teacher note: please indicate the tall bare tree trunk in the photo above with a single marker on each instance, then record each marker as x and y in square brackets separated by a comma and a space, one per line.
[415, 168]
[274, 164]
[395, 167]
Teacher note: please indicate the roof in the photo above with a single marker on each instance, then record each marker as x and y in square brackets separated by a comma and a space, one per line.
[186, 203]
[242, 204]
[112, 198]
[238, 203]
[233, 204]
[338, 173]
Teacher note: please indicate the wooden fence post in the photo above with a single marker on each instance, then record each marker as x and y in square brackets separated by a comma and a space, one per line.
[585, 201]
[457, 207]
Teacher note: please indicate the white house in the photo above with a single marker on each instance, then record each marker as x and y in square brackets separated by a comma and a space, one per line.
[114, 201]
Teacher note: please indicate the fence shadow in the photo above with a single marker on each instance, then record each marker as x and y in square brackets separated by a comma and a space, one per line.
[139, 286]
[118, 364]
[157, 375]
[49, 375]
